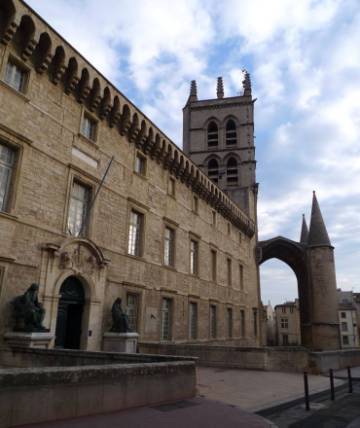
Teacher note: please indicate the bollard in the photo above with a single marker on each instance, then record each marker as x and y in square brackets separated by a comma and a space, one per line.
[306, 387]
[332, 384]
[350, 380]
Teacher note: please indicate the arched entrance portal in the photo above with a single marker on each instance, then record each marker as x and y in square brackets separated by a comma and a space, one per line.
[294, 255]
[70, 314]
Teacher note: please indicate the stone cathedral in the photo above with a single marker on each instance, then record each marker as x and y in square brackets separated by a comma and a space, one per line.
[97, 204]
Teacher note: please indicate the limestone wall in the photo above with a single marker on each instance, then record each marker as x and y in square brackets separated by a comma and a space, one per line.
[43, 125]
[33, 395]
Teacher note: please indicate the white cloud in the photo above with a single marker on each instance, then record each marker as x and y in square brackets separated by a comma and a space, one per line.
[304, 57]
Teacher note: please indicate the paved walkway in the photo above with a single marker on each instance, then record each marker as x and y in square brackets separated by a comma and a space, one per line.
[194, 413]
[255, 390]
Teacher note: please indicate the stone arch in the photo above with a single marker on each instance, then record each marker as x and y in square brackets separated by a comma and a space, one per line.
[212, 133]
[125, 119]
[232, 170]
[213, 166]
[230, 132]
[294, 255]
[82, 259]
[24, 37]
[7, 15]
[57, 67]
[42, 54]
[115, 114]
[105, 105]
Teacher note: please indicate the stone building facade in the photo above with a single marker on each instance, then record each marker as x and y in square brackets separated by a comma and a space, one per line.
[348, 319]
[287, 318]
[154, 230]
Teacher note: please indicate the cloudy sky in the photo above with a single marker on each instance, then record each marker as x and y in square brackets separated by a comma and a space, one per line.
[304, 60]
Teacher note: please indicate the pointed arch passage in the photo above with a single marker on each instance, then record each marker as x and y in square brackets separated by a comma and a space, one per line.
[212, 134]
[293, 254]
[232, 172]
[213, 170]
[230, 136]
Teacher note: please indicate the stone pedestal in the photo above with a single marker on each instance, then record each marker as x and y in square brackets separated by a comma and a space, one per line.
[29, 340]
[120, 342]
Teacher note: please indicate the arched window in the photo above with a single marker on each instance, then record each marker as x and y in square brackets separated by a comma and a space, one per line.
[213, 170]
[232, 172]
[212, 134]
[230, 132]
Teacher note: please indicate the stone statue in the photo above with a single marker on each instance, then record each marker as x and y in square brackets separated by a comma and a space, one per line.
[119, 318]
[28, 311]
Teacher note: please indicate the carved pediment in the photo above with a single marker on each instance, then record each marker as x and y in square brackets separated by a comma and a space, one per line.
[78, 254]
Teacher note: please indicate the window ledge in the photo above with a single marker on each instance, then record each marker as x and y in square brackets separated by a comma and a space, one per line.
[142, 176]
[172, 268]
[13, 90]
[88, 141]
[140, 258]
[8, 215]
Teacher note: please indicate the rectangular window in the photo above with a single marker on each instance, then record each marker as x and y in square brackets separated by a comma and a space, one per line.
[194, 250]
[171, 186]
[230, 322]
[345, 340]
[285, 339]
[255, 322]
[213, 326]
[343, 314]
[344, 326]
[213, 265]
[132, 303]
[166, 315]
[283, 309]
[195, 206]
[228, 271]
[193, 317]
[140, 164]
[241, 276]
[284, 323]
[213, 214]
[79, 209]
[16, 76]
[7, 162]
[88, 128]
[135, 233]
[169, 247]
[242, 323]
[291, 309]
[229, 228]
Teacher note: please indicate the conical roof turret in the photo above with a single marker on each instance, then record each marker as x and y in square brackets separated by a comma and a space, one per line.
[304, 235]
[318, 235]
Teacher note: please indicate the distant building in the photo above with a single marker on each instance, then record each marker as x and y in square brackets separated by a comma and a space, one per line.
[269, 334]
[287, 320]
[348, 319]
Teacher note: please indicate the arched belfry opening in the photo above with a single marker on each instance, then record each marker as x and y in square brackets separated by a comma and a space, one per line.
[312, 261]
[70, 314]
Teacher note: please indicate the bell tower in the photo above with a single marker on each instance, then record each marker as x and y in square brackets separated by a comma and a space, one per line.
[218, 136]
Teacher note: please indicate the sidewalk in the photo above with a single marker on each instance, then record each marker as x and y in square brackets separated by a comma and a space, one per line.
[256, 390]
[194, 413]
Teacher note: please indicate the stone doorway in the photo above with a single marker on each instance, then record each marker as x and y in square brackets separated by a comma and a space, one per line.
[70, 314]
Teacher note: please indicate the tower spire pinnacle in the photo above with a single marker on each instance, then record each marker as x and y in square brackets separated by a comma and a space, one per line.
[318, 235]
[304, 235]
[220, 88]
[246, 83]
[193, 92]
